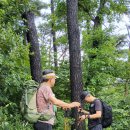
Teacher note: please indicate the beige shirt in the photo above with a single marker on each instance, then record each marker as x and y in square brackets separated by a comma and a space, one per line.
[43, 103]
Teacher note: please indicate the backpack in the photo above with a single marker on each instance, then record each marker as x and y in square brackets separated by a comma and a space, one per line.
[28, 104]
[106, 115]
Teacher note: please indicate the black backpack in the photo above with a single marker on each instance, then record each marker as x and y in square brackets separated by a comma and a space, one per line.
[106, 115]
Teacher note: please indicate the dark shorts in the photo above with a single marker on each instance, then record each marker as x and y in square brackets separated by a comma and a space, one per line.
[97, 127]
[42, 126]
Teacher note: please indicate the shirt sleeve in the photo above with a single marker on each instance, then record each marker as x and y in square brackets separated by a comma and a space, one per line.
[98, 105]
[47, 93]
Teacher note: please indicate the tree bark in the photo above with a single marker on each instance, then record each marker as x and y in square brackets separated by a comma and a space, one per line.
[32, 38]
[75, 57]
[54, 36]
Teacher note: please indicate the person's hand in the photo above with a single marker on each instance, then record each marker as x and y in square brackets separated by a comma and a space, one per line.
[83, 117]
[80, 109]
[66, 108]
[75, 104]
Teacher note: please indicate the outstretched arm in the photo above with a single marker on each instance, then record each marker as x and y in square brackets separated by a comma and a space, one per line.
[62, 104]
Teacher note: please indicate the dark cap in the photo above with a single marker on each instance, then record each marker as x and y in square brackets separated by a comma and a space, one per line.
[84, 94]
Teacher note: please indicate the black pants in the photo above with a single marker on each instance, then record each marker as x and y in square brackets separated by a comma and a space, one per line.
[42, 126]
[97, 127]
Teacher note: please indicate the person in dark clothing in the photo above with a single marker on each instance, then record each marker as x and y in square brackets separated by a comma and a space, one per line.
[94, 114]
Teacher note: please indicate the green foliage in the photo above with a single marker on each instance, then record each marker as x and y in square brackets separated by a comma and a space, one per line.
[12, 121]
[62, 87]
[14, 60]
[106, 75]
[14, 67]
[59, 120]
[61, 9]
[120, 105]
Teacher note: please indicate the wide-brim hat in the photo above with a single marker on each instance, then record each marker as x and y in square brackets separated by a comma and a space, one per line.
[50, 76]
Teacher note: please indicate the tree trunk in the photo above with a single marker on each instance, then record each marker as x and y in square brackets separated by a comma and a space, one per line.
[32, 38]
[98, 20]
[54, 36]
[75, 57]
